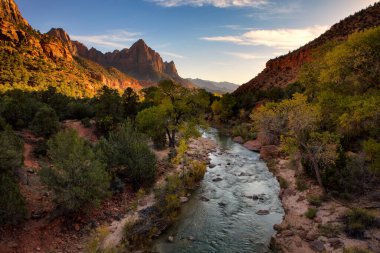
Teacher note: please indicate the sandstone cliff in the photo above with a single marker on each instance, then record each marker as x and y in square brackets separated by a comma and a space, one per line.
[283, 70]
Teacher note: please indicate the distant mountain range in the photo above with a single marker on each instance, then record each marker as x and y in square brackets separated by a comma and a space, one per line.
[214, 87]
[284, 70]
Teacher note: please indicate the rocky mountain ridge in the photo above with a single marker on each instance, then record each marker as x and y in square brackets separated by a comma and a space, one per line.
[283, 70]
[139, 61]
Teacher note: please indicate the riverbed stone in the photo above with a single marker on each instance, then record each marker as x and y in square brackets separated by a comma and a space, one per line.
[268, 152]
[171, 239]
[253, 145]
[217, 179]
[238, 139]
[203, 198]
[211, 166]
[184, 199]
[262, 212]
[317, 246]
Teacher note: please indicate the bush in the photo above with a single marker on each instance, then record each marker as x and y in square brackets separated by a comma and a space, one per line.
[301, 184]
[311, 213]
[12, 202]
[283, 183]
[357, 221]
[314, 200]
[128, 156]
[356, 250]
[76, 175]
[11, 149]
[329, 230]
[45, 122]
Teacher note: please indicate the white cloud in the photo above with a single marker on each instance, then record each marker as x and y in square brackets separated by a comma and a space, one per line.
[246, 56]
[286, 39]
[215, 3]
[174, 55]
[116, 39]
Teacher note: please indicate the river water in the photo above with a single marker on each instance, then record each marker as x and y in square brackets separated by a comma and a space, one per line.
[221, 215]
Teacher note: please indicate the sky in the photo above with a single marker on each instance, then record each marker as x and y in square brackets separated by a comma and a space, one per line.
[218, 40]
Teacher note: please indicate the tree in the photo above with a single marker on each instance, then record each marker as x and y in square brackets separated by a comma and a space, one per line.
[151, 121]
[45, 122]
[76, 175]
[11, 151]
[130, 102]
[178, 106]
[108, 109]
[128, 156]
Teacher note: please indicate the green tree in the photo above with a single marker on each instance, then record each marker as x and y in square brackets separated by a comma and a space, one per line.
[45, 122]
[11, 151]
[178, 106]
[108, 109]
[128, 156]
[76, 175]
[130, 102]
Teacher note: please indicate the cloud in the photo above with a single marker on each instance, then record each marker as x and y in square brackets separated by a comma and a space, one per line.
[215, 3]
[174, 55]
[115, 39]
[286, 39]
[246, 56]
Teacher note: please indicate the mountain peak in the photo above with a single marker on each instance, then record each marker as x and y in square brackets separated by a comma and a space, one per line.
[10, 12]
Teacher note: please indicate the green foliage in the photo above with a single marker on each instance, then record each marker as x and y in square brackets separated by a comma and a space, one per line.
[130, 102]
[151, 121]
[301, 184]
[244, 130]
[12, 202]
[356, 250]
[372, 150]
[358, 220]
[45, 122]
[329, 230]
[311, 213]
[283, 183]
[76, 175]
[175, 106]
[11, 152]
[109, 109]
[315, 200]
[128, 156]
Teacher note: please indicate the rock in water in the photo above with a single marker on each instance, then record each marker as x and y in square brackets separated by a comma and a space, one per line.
[238, 139]
[171, 239]
[262, 212]
[184, 199]
[254, 145]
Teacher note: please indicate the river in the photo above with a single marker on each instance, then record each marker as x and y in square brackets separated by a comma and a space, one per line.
[221, 215]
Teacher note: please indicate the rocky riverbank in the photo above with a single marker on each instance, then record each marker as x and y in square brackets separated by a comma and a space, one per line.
[146, 220]
[322, 233]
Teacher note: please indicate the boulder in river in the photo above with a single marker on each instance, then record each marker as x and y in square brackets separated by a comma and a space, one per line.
[184, 199]
[262, 212]
[212, 166]
[171, 239]
[217, 179]
[238, 139]
[253, 145]
[268, 152]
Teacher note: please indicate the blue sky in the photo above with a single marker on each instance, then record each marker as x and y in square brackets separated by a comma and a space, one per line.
[220, 40]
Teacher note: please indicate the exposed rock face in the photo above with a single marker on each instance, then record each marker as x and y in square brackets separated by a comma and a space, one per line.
[10, 12]
[64, 38]
[139, 61]
[283, 70]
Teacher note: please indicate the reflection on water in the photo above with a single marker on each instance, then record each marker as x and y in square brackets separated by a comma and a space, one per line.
[221, 215]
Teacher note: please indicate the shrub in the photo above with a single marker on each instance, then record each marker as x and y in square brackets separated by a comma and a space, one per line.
[301, 184]
[357, 220]
[45, 122]
[40, 150]
[314, 200]
[12, 202]
[128, 156]
[11, 148]
[329, 230]
[195, 173]
[311, 213]
[356, 250]
[76, 175]
[283, 183]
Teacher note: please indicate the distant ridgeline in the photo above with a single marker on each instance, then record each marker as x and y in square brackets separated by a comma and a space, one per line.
[284, 70]
[33, 61]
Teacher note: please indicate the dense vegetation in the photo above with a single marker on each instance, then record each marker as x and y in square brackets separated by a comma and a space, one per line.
[331, 124]
[82, 174]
